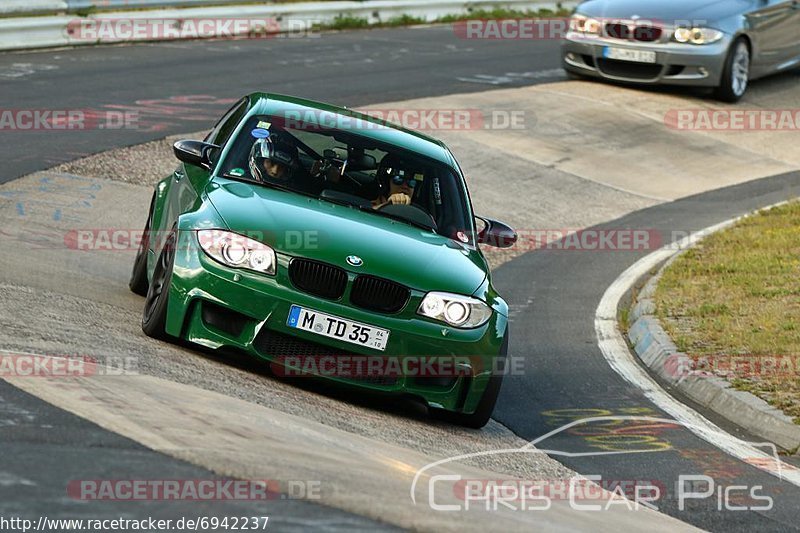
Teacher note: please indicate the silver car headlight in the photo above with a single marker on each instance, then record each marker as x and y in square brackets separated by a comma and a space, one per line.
[697, 35]
[237, 251]
[585, 25]
[454, 309]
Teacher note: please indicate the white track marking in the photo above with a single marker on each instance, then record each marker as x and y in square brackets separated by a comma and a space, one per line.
[21, 70]
[619, 357]
[512, 77]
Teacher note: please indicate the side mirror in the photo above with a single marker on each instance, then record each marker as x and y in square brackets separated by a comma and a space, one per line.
[497, 234]
[196, 153]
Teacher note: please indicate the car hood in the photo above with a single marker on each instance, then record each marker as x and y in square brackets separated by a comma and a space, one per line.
[302, 226]
[666, 11]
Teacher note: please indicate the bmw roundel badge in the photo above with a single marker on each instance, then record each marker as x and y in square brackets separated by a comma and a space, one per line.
[354, 260]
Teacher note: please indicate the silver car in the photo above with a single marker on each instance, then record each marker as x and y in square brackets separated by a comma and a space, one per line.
[708, 43]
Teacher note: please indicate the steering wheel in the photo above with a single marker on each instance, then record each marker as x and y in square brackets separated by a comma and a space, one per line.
[322, 168]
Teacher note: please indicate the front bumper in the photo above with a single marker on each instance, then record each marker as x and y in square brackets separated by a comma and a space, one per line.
[676, 63]
[216, 306]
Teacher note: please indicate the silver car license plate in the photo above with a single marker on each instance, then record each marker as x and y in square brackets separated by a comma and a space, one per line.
[627, 54]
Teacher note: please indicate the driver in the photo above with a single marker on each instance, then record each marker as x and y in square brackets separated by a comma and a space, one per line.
[271, 160]
[397, 183]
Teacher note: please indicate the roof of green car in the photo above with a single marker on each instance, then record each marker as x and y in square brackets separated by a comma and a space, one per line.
[393, 134]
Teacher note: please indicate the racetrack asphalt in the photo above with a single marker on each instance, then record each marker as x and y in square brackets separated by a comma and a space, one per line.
[178, 87]
[45, 449]
[567, 377]
[154, 81]
[554, 293]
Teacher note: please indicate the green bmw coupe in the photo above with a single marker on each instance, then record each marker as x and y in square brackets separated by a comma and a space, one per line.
[331, 244]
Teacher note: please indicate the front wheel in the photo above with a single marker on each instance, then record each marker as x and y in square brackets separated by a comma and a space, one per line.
[154, 317]
[483, 413]
[138, 282]
[736, 74]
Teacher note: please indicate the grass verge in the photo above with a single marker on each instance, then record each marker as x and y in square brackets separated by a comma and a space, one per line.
[733, 305]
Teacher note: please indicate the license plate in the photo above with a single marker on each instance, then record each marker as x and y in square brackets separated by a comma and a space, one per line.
[337, 328]
[625, 54]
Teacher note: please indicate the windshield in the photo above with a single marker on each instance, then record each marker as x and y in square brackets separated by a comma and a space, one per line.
[345, 167]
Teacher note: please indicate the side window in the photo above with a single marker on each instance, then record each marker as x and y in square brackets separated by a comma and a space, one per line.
[224, 128]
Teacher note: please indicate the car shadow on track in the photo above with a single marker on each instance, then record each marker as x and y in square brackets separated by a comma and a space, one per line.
[402, 405]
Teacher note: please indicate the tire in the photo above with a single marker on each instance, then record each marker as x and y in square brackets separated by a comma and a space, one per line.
[483, 413]
[138, 282]
[154, 316]
[736, 74]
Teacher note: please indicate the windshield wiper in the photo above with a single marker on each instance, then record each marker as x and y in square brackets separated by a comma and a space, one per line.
[398, 218]
[337, 201]
[268, 184]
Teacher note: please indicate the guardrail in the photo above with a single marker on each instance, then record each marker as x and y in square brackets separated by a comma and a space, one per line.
[16, 8]
[119, 5]
[37, 7]
[18, 33]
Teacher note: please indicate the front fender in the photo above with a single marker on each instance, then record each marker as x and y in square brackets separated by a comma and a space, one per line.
[187, 260]
[487, 293]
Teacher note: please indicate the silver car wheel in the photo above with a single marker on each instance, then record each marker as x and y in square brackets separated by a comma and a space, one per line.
[740, 71]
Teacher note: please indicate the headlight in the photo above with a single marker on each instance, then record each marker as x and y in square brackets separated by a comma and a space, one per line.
[584, 24]
[237, 251]
[454, 309]
[697, 35]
